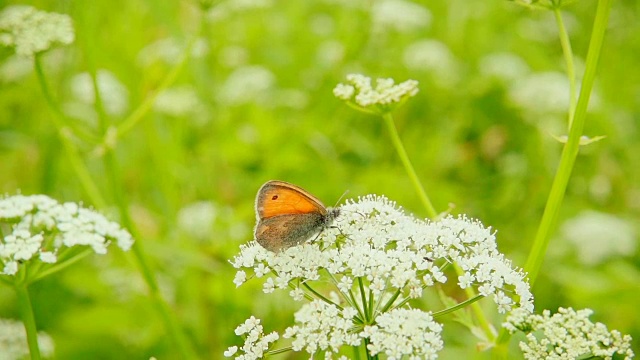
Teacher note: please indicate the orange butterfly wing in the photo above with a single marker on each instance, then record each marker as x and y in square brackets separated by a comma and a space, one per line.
[281, 198]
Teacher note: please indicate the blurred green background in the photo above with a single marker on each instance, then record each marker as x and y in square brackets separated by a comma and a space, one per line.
[254, 102]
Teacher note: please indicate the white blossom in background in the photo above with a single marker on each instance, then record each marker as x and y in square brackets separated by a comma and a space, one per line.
[31, 31]
[399, 15]
[178, 101]
[360, 92]
[435, 58]
[13, 341]
[375, 250]
[598, 236]
[170, 51]
[15, 68]
[567, 334]
[196, 219]
[503, 66]
[246, 85]
[41, 228]
[114, 95]
[541, 92]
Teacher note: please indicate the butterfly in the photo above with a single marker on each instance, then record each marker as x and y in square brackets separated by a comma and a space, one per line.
[288, 215]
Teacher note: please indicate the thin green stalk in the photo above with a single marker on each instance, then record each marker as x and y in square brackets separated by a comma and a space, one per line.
[58, 266]
[568, 58]
[458, 306]
[402, 153]
[571, 148]
[569, 153]
[26, 312]
[365, 309]
[175, 331]
[64, 132]
[132, 120]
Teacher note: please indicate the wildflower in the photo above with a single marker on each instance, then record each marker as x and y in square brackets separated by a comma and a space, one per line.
[567, 334]
[388, 258]
[32, 31]
[13, 341]
[42, 228]
[405, 332]
[256, 342]
[384, 97]
[322, 326]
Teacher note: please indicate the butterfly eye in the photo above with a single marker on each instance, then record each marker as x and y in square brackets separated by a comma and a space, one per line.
[274, 197]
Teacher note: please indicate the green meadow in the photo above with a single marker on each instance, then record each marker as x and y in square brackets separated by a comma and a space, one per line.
[166, 117]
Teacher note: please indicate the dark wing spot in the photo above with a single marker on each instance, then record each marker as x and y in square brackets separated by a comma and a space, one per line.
[274, 197]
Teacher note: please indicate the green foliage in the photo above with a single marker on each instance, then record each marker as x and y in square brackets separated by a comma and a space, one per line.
[254, 102]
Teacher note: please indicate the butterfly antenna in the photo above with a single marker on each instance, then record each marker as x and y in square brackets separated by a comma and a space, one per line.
[340, 198]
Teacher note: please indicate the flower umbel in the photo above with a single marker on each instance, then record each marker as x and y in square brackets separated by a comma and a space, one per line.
[32, 31]
[386, 95]
[45, 229]
[567, 334]
[377, 258]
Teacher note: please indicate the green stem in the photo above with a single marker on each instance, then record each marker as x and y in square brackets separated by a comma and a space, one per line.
[132, 120]
[570, 150]
[569, 153]
[142, 262]
[458, 306]
[64, 132]
[365, 309]
[58, 266]
[568, 58]
[26, 311]
[397, 143]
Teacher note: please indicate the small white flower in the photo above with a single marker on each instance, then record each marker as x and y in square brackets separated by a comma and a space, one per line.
[403, 332]
[568, 334]
[322, 326]
[240, 278]
[256, 342]
[230, 351]
[386, 93]
[38, 219]
[297, 294]
[32, 31]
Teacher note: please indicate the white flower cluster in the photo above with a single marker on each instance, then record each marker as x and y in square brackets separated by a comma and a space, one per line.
[41, 227]
[386, 92]
[256, 342]
[567, 334]
[376, 242]
[32, 31]
[323, 327]
[13, 341]
[405, 332]
[378, 258]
